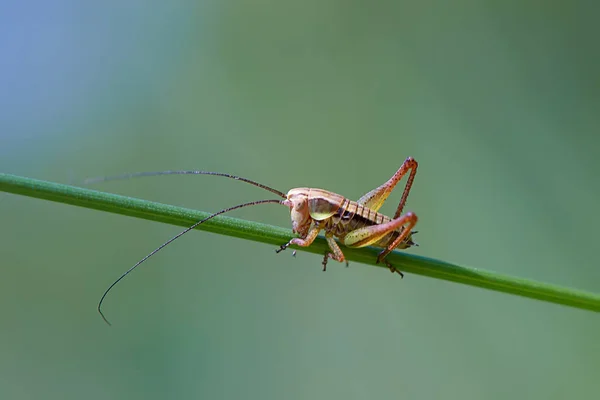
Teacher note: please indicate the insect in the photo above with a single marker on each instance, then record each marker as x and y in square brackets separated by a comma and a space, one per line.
[354, 223]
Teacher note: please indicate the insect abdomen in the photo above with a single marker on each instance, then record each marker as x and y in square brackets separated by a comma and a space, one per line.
[338, 215]
[352, 215]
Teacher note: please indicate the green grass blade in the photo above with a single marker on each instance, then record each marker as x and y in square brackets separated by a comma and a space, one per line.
[263, 233]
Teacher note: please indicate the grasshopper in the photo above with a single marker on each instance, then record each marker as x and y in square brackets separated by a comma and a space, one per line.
[354, 223]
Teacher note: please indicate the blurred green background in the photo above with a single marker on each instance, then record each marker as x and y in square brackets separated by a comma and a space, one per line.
[497, 100]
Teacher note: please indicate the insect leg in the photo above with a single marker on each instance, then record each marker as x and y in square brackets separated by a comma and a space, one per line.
[411, 220]
[302, 242]
[372, 234]
[336, 254]
[376, 197]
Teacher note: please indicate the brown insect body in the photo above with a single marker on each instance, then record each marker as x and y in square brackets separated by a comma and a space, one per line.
[337, 215]
[354, 223]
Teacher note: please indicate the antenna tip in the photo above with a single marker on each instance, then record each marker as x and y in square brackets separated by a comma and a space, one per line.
[104, 318]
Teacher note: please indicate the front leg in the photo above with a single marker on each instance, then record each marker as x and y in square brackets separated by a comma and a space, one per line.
[302, 242]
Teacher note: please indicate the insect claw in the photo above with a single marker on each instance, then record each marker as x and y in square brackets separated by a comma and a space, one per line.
[392, 268]
[294, 253]
[325, 259]
[281, 248]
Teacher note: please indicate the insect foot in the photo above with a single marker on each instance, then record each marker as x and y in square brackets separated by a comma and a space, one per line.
[325, 259]
[391, 267]
[282, 248]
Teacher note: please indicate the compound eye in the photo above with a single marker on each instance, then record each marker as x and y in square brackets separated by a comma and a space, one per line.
[300, 205]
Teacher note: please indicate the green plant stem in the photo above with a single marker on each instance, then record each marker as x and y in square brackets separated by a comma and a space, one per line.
[276, 236]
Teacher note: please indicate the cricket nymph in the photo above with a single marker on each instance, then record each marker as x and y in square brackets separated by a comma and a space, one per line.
[336, 215]
[313, 210]
[354, 223]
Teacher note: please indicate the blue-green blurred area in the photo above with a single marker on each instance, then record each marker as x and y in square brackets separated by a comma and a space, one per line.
[497, 100]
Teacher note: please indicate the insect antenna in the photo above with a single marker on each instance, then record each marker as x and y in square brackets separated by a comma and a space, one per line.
[182, 172]
[252, 203]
